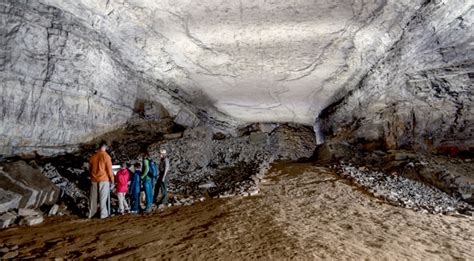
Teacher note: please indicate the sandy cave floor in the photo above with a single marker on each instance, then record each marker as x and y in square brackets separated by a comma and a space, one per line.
[303, 212]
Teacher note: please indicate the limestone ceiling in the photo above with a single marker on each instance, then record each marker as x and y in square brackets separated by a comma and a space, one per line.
[256, 60]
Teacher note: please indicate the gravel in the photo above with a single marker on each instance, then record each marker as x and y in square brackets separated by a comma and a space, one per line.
[404, 192]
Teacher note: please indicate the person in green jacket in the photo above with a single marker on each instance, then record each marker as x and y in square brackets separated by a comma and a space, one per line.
[147, 181]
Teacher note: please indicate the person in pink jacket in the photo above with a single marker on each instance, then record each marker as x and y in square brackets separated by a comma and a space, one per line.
[123, 175]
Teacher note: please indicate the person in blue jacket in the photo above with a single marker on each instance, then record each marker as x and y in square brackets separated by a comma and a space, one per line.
[135, 188]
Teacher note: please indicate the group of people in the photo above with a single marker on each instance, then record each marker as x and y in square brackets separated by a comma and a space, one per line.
[148, 176]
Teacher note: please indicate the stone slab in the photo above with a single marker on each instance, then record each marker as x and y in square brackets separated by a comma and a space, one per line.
[35, 189]
[26, 212]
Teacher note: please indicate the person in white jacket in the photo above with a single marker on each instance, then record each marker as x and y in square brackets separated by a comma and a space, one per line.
[163, 178]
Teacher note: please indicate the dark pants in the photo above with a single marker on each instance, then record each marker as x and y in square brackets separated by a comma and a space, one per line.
[136, 200]
[163, 186]
[147, 184]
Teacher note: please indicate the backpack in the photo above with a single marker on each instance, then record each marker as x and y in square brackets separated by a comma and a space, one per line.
[153, 172]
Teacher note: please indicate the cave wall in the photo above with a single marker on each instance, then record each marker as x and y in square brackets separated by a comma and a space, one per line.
[254, 61]
[420, 95]
[392, 73]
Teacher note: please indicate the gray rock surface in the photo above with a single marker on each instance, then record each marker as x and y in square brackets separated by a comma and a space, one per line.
[62, 83]
[35, 189]
[72, 70]
[420, 93]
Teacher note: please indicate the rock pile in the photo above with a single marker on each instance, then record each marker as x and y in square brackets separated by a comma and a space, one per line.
[22, 190]
[9, 252]
[76, 196]
[292, 142]
[403, 192]
[206, 163]
[201, 164]
[28, 216]
[453, 175]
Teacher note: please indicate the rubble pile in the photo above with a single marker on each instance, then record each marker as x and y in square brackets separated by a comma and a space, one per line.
[205, 162]
[404, 192]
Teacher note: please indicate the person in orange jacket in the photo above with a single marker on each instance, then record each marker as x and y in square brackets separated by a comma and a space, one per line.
[100, 168]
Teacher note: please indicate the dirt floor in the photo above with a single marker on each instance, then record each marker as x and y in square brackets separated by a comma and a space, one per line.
[302, 212]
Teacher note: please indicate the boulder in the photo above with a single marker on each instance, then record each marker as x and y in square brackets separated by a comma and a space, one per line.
[186, 118]
[154, 111]
[402, 155]
[34, 188]
[8, 200]
[207, 185]
[26, 212]
[172, 136]
[7, 219]
[31, 220]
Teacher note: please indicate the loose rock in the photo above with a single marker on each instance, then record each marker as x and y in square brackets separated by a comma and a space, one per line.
[7, 219]
[54, 210]
[404, 192]
[10, 255]
[31, 220]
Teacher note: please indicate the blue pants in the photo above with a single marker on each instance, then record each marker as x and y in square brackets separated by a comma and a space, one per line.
[147, 183]
[136, 201]
[135, 191]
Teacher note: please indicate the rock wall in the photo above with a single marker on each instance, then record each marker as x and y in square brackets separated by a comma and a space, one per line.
[61, 82]
[393, 71]
[420, 95]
